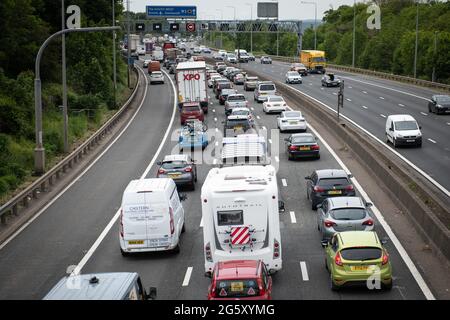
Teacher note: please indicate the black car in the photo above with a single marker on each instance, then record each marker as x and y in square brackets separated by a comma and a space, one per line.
[301, 145]
[328, 183]
[439, 104]
[330, 80]
[234, 126]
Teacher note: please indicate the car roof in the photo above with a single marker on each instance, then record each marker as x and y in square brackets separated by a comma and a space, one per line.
[237, 269]
[346, 202]
[401, 117]
[331, 173]
[304, 134]
[437, 96]
[236, 95]
[147, 185]
[350, 239]
[110, 286]
[240, 109]
[176, 157]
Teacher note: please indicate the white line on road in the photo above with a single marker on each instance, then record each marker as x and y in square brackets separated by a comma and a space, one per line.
[382, 115]
[215, 119]
[217, 129]
[365, 92]
[310, 83]
[264, 128]
[252, 108]
[201, 223]
[448, 123]
[214, 110]
[277, 159]
[293, 219]
[364, 107]
[335, 93]
[187, 277]
[350, 87]
[322, 88]
[423, 113]
[270, 140]
[304, 271]
[284, 182]
[258, 117]
[431, 140]
[349, 99]
[217, 143]
[381, 98]
[401, 105]
[215, 161]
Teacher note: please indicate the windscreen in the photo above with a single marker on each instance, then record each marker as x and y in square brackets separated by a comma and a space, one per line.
[225, 86]
[348, 214]
[405, 125]
[318, 59]
[267, 87]
[237, 288]
[230, 218]
[361, 254]
[191, 109]
[252, 78]
[330, 182]
[305, 139]
[293, 114]
[236, 98]
[443, 99]
[173, 165]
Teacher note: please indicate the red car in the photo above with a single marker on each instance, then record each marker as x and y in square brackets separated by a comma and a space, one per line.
[240, 280]
[191, 110]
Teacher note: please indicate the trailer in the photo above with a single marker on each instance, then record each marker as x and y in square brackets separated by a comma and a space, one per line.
[192, 84]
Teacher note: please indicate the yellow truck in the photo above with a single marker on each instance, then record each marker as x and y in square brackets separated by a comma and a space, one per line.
[314, 60]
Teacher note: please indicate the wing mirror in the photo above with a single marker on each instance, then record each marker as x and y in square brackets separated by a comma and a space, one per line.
[151, 295]
[390, 129]
[384, 241]
[319, 205]
[307, 178]
[281, 206]
[324, 243]
[286, 139]
[183, 197]
[159, 163]
[369, 204]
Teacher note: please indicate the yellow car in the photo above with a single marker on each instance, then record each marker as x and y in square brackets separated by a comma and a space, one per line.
[357, 257]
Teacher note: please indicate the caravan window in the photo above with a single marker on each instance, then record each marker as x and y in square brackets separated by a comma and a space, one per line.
[230, 218]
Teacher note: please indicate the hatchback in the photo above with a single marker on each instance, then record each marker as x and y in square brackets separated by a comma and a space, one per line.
[235, 101]
[156, 77]
[240, 279]
[274, 104]
[191, 110]
[357, 257]
[224, 95]
[180, 168]
[327, 183]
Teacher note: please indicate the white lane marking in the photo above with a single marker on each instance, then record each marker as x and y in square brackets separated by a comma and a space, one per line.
[349, 99]
[431, 140]
[381, 98]
[277, 159]
[448, 123]
[387, 88]
[217, 143]
[304, 271]
[382, 115]
[322, 88]
[364, 107]
[217, 129]
[310, 83]
[201, 223]
[214, 110]
[293, 219]
[187, 277]
[258, 117]
[365, 92]
[335, 93]
[211, 103]
[104, 233]
[215, 119]
[252, 108]
[401, 105]
[264, 128]
[423, 113]
[270, 140]
[284, 182]
[350, 87]
[409, 263]
[15, 234]
[215, 161]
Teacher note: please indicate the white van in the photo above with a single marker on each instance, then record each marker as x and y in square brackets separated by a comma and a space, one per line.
[240, 212]
[263, 90]
[403, 129]
[152, 216]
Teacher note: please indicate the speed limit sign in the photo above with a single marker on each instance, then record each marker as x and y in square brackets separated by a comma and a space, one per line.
[190, 26]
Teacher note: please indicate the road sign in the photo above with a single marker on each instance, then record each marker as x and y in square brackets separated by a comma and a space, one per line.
[140, 26]
[190, 27]
[157, 27]
[171, 11]
[174, 27]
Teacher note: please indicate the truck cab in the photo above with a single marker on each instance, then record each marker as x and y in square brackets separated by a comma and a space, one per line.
[314, 60]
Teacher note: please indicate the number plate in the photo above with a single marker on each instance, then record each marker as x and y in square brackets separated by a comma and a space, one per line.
[238, 128]
[292, 122]
[335, 192]
[136, 242]
[237, 286]
[360, 268]
[174, 175]
[410, 140]
[304, 148]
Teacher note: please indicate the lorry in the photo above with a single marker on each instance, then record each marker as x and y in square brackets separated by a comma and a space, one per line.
[134, 42]
[240, 213]
[314, 60]
[157, 55]
[191, 83]
[167, 45]
[154, 66]
[148, 47]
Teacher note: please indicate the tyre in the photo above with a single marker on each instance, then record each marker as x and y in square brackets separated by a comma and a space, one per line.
[313, 206]
[183, 230]
[394, 143]
[124, 254]
[326, 264]
[176, 250]
[193, 186]
[333, 286]
[318, 156]
[387, 287]
[429, 109]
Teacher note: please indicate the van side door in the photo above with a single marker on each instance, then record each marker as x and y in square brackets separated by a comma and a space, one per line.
[177, 207]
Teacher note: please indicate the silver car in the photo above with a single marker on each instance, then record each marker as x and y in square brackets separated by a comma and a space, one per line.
[250, 83]
[180, 168]
[339, 214]
[235, 101]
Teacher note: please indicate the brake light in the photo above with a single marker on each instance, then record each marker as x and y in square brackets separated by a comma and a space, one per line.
[121, 223]
[276, 249]
[172, 226]
[385, 258]
[315, 147]
[208, 254]
[368, 222]
[318, 189]
[338, 260]
[292, 148]
[161, 171]
[188, 169]
[328, 223]
[349, 188]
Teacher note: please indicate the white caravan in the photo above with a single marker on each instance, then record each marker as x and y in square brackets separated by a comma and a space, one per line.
[240, 212]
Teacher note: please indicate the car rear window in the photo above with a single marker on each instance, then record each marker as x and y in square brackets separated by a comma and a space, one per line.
[236, 122]
[173, 165]
[240, 113]
[236, 98]
[348, 214]
[237, 288]
[361, 254]
[267, 87]
[191, 109]
[230, 218]
[293, 114]
[330, 182]
[305, 139]
[276, 99]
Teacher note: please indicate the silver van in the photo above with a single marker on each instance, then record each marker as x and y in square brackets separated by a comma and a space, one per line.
[101, 286]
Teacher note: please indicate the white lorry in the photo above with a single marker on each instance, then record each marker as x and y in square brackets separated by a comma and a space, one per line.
[192, 84]
[158, 55]
[240, 212]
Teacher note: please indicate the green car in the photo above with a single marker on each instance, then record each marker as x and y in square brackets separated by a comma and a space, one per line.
[357, 257]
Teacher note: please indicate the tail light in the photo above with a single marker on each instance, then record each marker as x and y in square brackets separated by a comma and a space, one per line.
[315, 147]
[349, 188]
[292, 148]
[262, 289]
[338, 260]
[172, 225]
[276, 249]
[121, 223]
[208, 254]
[328, 223]
[161, 171]
[318, 189]
[188, 169]
[368, 222]
[385, 258]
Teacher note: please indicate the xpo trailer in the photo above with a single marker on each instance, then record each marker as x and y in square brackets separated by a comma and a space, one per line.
[192, 84]
[240, 212]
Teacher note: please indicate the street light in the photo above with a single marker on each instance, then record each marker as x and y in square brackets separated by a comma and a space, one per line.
[234, 8]
[315, 21]
[354, 34]
[417, 40]
[221, 33]
[251, 28]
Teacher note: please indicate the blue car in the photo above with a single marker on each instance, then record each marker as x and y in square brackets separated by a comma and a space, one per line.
[193, 135]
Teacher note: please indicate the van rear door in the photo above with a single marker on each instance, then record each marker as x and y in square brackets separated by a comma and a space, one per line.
[158, 222]
[135, 213]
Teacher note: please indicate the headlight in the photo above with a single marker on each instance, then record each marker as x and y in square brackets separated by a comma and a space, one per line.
[419, 134]
[439, 106]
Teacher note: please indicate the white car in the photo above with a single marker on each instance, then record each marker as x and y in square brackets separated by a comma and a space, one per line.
[243, 113]
[141, 51]
[146, 62]
[223, 53]
[197, 50]
[274, 104]
[291, 120]
[231, 58]
[211, 80]
[156, 77]
[293, 77]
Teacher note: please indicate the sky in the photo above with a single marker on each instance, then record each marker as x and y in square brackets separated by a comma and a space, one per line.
[209, 9]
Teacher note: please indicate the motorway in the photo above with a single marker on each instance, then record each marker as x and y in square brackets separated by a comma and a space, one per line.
[65, 232]
[368, 101]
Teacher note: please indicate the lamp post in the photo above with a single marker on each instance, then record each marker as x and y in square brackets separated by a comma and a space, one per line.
[417, 40]
[354, 34]
[221, 33]
[433, 76]
[234, 8]
[251, 28]
[315, 21]
[64, 80]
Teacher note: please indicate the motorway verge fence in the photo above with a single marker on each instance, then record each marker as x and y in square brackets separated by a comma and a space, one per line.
[42, 184]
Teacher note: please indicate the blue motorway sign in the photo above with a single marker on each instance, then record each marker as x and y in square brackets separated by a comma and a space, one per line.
[172, 11]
